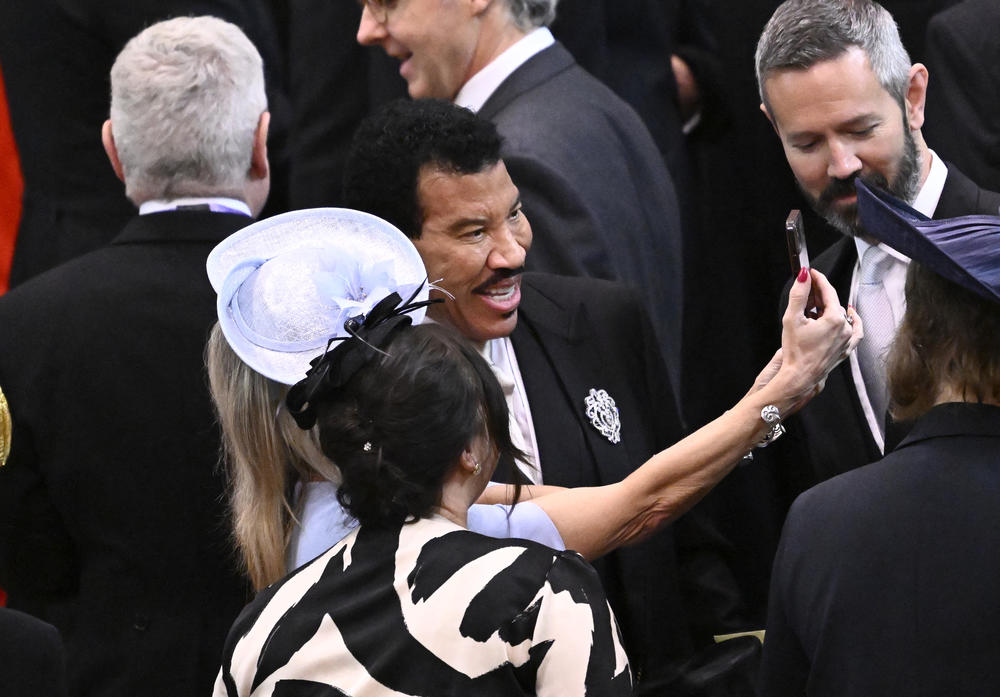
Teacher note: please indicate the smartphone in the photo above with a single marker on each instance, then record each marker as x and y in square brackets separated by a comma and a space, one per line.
[795, 237]
[798, 255]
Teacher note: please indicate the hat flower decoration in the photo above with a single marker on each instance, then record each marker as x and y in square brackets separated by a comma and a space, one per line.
[355, 290]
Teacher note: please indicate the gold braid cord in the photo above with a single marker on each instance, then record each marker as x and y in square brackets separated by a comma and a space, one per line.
[5, 428]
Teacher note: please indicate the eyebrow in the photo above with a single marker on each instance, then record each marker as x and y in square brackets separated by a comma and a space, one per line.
[857, 121]
[479, 220]
[463, 223]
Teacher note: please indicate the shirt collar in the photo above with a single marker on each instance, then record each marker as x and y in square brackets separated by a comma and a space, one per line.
[480, 86]
[217, 204]
[930, 193]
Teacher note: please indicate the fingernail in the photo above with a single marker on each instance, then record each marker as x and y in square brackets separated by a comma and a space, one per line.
[851, 308]
[803, 274]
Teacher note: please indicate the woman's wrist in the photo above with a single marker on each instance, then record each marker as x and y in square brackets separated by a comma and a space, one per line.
[765, 407]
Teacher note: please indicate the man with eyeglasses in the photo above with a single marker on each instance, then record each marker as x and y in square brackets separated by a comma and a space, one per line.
[599, 196]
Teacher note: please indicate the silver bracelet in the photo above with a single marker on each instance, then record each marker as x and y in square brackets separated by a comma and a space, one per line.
[771, 416]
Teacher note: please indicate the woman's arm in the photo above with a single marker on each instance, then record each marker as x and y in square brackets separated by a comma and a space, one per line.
[504, 493]
[595, 520]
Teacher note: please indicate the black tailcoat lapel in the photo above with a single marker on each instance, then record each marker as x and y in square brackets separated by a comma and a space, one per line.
[578, 334]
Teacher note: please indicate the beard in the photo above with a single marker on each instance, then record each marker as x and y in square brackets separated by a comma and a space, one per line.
[903, 186]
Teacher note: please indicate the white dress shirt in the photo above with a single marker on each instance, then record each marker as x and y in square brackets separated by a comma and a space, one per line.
[894, 282]
[217, 204]
[480, 86]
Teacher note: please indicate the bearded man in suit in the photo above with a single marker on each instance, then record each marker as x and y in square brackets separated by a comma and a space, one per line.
[112, 521]
[840, 91]
[589, 397]
[600, 197]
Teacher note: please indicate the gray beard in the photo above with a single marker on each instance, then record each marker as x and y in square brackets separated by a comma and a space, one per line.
[904, 186]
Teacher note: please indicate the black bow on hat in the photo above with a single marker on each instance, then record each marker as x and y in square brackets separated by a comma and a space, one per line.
[366, 336]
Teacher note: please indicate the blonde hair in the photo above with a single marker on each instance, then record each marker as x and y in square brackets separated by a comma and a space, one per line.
[266, 455]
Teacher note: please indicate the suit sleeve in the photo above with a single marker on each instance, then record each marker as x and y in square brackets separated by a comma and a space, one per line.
[32, 656]
[37, 557]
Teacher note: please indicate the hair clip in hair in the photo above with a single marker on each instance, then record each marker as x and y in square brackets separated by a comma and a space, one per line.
[367, 447]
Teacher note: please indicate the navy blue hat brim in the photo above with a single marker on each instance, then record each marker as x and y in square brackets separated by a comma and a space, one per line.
[964, 250]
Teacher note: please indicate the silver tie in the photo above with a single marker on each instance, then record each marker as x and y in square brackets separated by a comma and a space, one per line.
[517, 420]
[872, 304]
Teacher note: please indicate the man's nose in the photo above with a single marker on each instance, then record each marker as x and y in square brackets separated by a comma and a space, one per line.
[843, 162]
[507, 252]
[369, 31]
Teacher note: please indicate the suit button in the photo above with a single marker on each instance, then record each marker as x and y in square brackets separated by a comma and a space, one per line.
[140, 623]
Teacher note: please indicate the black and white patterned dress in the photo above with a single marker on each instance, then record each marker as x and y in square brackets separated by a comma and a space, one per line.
[431, 610]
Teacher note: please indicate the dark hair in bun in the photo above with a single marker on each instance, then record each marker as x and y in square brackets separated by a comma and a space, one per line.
[399, 425]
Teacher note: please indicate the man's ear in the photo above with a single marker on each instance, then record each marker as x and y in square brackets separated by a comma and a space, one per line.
[108, 138]
[259, 167]
[478, 7]
[916, 96]
[763, 110]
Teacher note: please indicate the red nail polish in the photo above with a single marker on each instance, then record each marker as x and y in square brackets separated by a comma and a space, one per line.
[803, 274]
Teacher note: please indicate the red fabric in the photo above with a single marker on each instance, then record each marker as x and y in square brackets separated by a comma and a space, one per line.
[11, 188]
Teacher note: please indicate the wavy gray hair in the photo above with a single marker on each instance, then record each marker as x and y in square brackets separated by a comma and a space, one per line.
[186, 98]
[802, 33]
[529, 14]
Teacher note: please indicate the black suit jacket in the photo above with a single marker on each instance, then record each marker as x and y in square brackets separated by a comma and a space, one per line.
[56, 57]
[599, 198]
[574, 335]
[32, 660]
[832, 429]
[113, 522]
[887, 579]
[963, 94]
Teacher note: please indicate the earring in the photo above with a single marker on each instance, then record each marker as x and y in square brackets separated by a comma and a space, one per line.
[477, 470]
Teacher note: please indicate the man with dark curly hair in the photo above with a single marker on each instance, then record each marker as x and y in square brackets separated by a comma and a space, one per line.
[589, 397]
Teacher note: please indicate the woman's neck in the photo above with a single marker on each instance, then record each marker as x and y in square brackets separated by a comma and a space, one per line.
[951, 393]
[459, 516]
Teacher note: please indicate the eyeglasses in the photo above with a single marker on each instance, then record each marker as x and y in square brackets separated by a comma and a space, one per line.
[378, 9]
